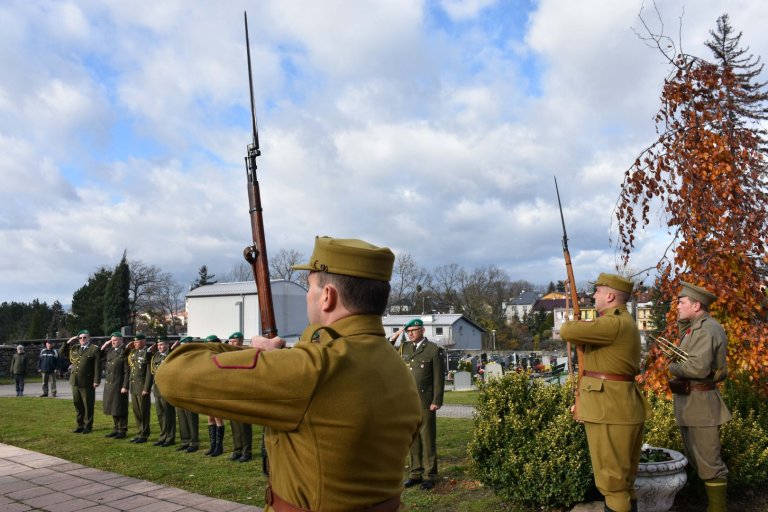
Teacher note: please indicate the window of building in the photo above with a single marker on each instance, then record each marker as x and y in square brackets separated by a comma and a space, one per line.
[438, 331]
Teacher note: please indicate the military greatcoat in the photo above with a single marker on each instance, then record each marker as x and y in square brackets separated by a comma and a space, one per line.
[613, 410]
[116, 370]
[140, 379]
[340, 409]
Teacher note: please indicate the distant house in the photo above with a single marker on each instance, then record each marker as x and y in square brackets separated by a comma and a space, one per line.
[223, 308]
[520, 306]
[454, 332]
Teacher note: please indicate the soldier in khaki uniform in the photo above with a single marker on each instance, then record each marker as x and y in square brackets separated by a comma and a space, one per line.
[140, 386]
[339, 408]
[115, 399]
[699, 408]
[166, 413]
[242, 433]
[611, 404]
[426, 361]
[85, 377]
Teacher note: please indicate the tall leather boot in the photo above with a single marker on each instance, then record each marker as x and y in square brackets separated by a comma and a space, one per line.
[212, 437]
[219, 448]
[716, 494]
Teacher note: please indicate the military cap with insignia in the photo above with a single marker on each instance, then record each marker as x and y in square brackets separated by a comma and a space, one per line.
[84, 331]
[415, 322]
[235, 335]
[212, 339]
[696, 293]
[350, 257]
[140, 336]
[185, 339]
[117, 334]
[614, 281]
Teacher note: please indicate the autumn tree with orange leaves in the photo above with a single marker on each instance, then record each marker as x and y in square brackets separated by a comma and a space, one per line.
[707, 173]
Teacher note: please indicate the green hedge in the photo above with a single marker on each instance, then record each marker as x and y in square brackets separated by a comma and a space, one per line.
[529, 451]
[526, 447]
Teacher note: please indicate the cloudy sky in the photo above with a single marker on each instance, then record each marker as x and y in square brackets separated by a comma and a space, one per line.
[432, 127]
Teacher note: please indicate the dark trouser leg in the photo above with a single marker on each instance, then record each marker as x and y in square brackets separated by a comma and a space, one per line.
[90, 403]
[430, 444]
[45, 383]
[417, 459]
[247, 440]
[237, 446]
[194, 427]
[79, 400]
[141, 405]
[184, 427]
[52, 381]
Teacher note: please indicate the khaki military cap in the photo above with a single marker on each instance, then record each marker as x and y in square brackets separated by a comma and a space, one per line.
[350, 257]
[696, 293]
[614, 281]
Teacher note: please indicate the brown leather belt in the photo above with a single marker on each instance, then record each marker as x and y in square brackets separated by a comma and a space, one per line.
[278, 504]
[609, 376]
[702, 386]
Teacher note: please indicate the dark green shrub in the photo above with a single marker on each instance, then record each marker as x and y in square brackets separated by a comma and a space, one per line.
[526, 447]
[661, 430]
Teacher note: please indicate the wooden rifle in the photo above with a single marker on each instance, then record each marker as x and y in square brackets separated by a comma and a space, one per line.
[571, 290]
[256, 253]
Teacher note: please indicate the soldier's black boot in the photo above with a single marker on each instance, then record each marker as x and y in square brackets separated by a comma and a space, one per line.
[212, 437]
[219, 448]
[633, 504]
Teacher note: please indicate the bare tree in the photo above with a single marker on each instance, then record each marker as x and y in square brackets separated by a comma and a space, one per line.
[241, 271]
[408, 280]
[144, 286]
[280, 266]
[171, 301]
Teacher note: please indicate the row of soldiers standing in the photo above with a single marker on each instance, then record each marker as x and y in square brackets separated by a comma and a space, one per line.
[129, 371]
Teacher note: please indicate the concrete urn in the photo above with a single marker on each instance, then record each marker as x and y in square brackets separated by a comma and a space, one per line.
[657, 483]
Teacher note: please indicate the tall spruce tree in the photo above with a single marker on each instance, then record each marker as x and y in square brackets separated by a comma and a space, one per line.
[117, 308]
[88, 304]
[203, 278]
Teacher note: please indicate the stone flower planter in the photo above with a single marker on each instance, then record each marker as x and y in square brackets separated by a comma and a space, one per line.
[658, 482]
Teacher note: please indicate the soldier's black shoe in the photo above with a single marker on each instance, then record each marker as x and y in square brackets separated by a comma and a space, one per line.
[140, 440]
[245, 458]
[159, 443]
[192, 449]
[78, 430]
[427, 485]
[86, 431]
[235, 456]
[111, 434]
[168, 443]
[182, 448]
[120, 435]
[412, 481]
[43, 395]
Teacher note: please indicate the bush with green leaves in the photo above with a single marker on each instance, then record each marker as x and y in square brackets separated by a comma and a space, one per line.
[526, 447]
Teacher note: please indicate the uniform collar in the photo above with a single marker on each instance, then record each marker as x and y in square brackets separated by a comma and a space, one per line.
[348, 326]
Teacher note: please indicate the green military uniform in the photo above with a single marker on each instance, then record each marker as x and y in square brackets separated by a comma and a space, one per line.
[339, 409]
[242, 433]
[166, 413]
[189, 423]
[140, 382]
[427, 366]
[611, 404]
[116, 378]
[700, 413]
[84, 376]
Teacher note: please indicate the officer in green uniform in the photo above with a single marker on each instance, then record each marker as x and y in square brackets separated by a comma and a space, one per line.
[339, 408]
[611, 404]
[115, 399]
[85, 377]
[242, 433]
[140, 386]
[166, 413]
[426, 361]
[189, 422]
[699, 408]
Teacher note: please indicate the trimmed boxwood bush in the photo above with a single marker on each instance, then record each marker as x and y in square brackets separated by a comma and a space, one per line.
[526, 447]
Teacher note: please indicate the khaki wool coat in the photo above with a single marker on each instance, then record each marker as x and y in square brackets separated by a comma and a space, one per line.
[427, 365]
[705, 342]
[340, 409]
[139, 374]
[86, 366]
[116, 377]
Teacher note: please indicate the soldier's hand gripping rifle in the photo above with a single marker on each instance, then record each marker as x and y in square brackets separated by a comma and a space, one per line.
[571, 284]
[256, 254]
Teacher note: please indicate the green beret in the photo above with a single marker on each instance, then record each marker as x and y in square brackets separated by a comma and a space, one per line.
[416, 321]
[236, 334]
[350, 257]
[84, 331]
[185, 339]
[696, 293]
[212, 339]
[140, 337]
[117, 334]
[162, 339]
[614, 281]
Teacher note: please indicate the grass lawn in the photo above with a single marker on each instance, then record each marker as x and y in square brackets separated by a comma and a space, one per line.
[44, 425]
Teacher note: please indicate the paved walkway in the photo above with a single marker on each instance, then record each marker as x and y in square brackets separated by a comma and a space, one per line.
[33, 481]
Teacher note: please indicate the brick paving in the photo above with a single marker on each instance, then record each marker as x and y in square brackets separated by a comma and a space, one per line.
[31, 481]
